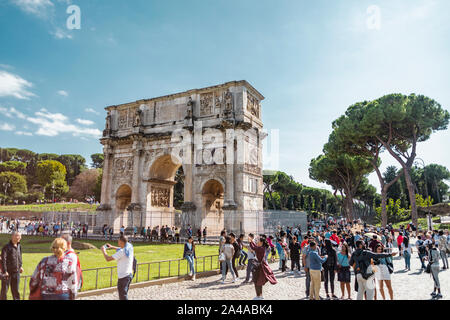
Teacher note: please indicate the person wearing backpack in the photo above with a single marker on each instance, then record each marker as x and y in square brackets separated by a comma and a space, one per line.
[422, 250]
[126, 264]
[360, 261]
[433, 268]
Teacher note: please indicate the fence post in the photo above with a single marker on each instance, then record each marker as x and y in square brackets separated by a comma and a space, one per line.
[148, 274]
[159, 272]
[203, 264]
[179, 261]
[110, 278]
[96, 280]
[169, 268]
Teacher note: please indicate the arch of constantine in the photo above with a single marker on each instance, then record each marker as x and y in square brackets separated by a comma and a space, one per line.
[214, 134]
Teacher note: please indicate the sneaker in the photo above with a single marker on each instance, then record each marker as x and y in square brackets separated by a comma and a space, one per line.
[222, 281]
[433, 294]
[193, 277]
[438, 296]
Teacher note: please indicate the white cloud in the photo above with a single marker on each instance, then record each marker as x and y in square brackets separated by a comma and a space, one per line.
[24, 133]
[90, 110]
[6, 127]
[36, 7]
[11, 112]
[63, 93]
[49, 124]
[14, 86]
[61, 34]
[52, 124]
[85, 122]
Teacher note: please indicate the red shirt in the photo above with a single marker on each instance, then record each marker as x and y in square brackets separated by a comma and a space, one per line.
[335, 238]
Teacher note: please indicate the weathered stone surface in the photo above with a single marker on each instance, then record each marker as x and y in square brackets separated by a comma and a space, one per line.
[213, 133]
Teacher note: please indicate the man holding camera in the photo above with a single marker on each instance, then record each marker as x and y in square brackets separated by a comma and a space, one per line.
[125, 257]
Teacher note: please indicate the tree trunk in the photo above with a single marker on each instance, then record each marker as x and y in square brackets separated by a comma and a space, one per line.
[383, 207]
[349, 205]
[412, 197]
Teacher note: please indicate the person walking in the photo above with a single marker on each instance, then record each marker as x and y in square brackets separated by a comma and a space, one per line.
[261, 270]
[199, 236]
[421, 250]
[443, 248]
[329, 267]
[189, 255]
[204, 234]
[385, 268]
[236, 254]
[433, 259]
[343, 267]
[251, 257]
[399, 243]
[125, 260]
[11, 260]
[55, 277]
[315, 268]
[227, 250]
[243, 255]
[294, 248]
[407, 250]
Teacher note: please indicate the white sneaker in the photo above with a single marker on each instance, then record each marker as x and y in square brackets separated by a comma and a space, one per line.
[193, 277]
[234, 280]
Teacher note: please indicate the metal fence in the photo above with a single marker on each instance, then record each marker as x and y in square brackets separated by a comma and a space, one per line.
[106, 277]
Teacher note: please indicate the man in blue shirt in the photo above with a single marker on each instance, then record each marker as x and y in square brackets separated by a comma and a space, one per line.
[315, 267]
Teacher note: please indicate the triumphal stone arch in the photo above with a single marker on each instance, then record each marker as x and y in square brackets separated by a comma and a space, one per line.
[214, 134]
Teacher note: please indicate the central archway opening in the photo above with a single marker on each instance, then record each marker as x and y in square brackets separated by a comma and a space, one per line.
[212, 212]
[123, 200]
[165, 191]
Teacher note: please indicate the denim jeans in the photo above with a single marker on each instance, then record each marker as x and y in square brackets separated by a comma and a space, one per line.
[62, 296]
[190, 260]
[421, 256]
[13, 280]
[123, 285]
[444, 258]
[227, 264]
[307, 282]
[249, 269]
[243, 257]
[407, 257]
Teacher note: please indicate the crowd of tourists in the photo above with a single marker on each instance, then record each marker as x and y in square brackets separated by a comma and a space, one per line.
[334, 250]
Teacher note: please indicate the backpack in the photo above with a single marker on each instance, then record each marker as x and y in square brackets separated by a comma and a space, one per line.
[422, 249]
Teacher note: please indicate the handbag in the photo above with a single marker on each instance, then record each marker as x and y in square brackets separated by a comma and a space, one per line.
[35, 293]
[222, 257]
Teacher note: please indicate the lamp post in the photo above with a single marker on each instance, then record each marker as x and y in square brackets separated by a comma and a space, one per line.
[53, 190]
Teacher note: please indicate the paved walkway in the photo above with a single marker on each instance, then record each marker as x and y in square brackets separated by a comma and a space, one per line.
[411, 285]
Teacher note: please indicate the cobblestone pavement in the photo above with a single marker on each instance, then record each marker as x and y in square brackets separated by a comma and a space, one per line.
[407, 285]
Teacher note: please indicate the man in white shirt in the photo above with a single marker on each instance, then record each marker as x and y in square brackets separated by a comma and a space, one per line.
[124, 256]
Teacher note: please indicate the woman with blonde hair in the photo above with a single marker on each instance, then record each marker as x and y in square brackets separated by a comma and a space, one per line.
[55, 277]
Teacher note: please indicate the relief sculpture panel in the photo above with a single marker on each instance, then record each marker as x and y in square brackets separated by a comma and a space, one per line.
[160, 197]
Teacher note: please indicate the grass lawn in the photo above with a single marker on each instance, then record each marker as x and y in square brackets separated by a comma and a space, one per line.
[51, 207]
[35, 248]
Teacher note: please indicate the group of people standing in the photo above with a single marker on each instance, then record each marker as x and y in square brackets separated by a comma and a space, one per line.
[56, 277]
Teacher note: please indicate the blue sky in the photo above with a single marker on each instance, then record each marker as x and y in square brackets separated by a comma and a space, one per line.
[311, 60]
